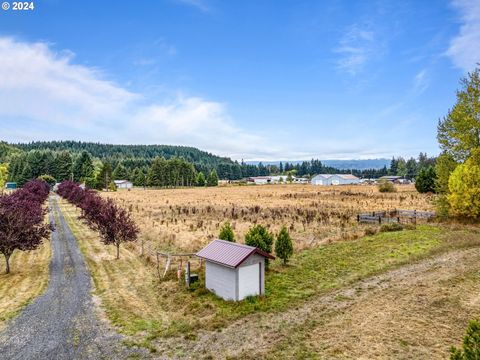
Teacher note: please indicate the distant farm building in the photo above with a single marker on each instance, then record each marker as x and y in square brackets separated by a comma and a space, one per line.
[11, 185]
[301, 180]
[274, 179]
[260, 180]
[394, 179]
[123, 184]
[234, 271]
[334, 179]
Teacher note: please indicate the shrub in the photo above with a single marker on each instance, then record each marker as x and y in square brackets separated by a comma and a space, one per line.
[370, 231]
[391, 227]
[386, 187]
[50, 180]
[471, 344]
[226, 233]
[283, 245]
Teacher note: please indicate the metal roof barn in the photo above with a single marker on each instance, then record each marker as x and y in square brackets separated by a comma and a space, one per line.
[234, 271]
[334, 179]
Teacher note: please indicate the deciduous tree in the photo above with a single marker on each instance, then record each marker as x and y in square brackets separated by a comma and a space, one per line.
[22, 216]
[459, 131]
[464, 191]
[115, 225]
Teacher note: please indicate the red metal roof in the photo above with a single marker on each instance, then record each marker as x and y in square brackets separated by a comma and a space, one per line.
[229, 253]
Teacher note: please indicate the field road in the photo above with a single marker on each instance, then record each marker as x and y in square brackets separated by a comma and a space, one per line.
[62, 323]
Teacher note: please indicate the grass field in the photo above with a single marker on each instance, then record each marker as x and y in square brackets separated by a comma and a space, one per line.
[139, 304]
[186, 219]
[28, 278]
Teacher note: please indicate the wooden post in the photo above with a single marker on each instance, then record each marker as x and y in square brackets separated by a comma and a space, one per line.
[187, 274]
[358, 218]
[143, 248]
[158, 264]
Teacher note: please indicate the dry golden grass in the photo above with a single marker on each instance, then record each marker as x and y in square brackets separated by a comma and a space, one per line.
[164, 316]
[186, 219]
[28, 278]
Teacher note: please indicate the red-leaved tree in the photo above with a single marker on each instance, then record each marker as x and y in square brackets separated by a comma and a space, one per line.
[112, 222]
[114, 225]
[22, 217]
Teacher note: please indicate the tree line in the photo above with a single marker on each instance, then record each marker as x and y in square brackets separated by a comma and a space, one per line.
[93, 163]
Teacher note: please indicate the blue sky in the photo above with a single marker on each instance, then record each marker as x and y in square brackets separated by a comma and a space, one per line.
[258, 80]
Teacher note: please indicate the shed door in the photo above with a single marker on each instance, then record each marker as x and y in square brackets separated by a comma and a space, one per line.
[248, 281]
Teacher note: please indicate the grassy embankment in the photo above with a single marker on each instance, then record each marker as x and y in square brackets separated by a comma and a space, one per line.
[28, 279]
[136, 302]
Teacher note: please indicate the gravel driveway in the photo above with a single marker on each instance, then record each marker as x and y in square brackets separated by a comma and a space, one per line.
[62, 323]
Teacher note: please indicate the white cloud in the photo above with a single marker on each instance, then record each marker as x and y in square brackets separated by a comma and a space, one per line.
[356, 48]
[43, 95]
[464, 49]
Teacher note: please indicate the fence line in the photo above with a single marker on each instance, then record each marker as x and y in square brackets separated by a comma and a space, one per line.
[151, 253]
[394, 216]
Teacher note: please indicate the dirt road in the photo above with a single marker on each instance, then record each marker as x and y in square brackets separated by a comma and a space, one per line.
[62, 323]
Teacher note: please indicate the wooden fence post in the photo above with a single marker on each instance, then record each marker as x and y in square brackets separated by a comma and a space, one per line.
[158, 265]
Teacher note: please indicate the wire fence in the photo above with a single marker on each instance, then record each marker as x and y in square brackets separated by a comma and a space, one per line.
[168, 260]
[395, 216]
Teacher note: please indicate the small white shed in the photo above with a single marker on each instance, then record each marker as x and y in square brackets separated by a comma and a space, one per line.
[234, 271]
[123, 184]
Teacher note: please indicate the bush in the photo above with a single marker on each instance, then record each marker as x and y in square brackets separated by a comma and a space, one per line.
[391, 227]
[226, 233]
[471, 344]
[370, 231]
[50, 180]
[386, 187]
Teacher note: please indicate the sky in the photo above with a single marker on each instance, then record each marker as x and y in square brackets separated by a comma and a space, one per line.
[250, 79]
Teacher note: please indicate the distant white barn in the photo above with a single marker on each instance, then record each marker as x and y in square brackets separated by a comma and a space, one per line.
[334, 179]
[234, 271]
[123, 184]
[274, 179]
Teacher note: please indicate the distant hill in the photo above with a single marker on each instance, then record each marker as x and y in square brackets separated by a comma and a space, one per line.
[338, 164]
[115, 153]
